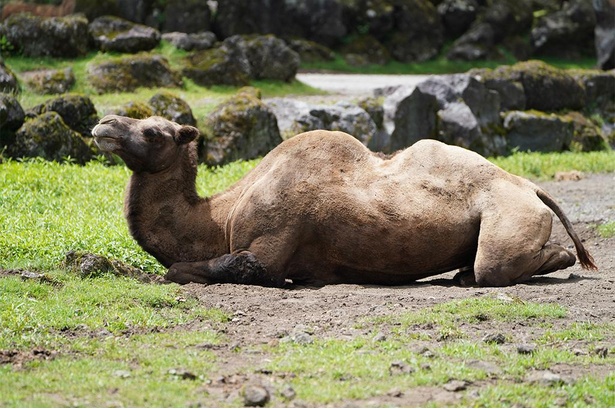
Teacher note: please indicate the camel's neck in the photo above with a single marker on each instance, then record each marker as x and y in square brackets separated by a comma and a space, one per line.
[168, 219]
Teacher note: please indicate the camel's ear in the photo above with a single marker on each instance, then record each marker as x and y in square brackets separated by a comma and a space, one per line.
[186, 134]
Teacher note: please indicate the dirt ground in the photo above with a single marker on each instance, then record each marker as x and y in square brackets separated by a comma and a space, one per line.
[265, 315]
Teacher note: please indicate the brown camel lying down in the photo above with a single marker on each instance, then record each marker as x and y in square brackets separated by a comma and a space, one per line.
[321, 208]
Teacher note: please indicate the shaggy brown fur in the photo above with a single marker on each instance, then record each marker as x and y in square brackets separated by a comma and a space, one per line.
[321, 208]
[44, 10]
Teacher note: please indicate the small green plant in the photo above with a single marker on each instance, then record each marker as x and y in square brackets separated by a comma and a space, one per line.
[607, 230]
[5, 45]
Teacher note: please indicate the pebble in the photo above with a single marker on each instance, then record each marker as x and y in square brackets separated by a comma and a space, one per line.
[255, 395]
[495, 338]
[455, 386]
[379, 337]
[526, 349]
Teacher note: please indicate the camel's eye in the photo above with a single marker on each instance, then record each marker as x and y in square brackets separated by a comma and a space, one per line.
[152, 133]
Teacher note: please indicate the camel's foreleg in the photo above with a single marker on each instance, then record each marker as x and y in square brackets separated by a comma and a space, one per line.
[240, 267]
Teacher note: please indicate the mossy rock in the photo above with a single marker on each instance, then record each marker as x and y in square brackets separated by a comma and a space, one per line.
[90, 265]
[11, 118]
[134, 109]
[49, 81]
[125, 74]
[217, 66]
[546, 88]
[365, 50]
[77, 111]
[8, 80]
[111, 33]
[538, 131]
[34, 36]
[310, 51]
[587, 135]
[48, 137]
[243, 127]
[172, 107]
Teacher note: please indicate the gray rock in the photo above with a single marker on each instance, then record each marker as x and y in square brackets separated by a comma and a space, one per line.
[310, 51]
[296, 116]
[77, 111]
[566, 33]
[111, 33]
[190, 42]
[457, 125]
[11, 118]
[455, 386]
[544, 377]
[346, 117]
[8, 80]
[526, 349]
[476, 44]
[255, 395]
[604, 33]
[494, 338]
[537, 132]
[457, 15]
[34, 36]
[188, 16]
[415, 118]
[173, 108]
[241, 128]
[125, 74]
[49, 81]
[48, 137]
[418, 34]
[224, 65]
[269, 57]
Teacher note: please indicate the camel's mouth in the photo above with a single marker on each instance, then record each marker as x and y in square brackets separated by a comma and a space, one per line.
[104, 141]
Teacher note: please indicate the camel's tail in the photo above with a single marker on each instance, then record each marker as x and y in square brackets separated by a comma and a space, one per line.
[586, 259]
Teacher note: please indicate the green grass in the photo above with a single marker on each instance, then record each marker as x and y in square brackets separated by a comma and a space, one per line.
[607, 230]
[48, 209]
[202, 100]
[545, 165]
[330, 371]
[117, 341]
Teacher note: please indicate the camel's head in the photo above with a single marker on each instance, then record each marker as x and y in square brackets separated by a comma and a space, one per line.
[146, 145]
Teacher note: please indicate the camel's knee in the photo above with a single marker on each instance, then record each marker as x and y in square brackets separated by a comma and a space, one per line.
[240, 267]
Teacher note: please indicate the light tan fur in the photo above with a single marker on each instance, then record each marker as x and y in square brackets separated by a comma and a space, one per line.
[321, 208]
[43, 10]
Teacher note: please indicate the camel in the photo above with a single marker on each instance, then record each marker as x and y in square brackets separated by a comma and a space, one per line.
[44, 10]
[322, 209]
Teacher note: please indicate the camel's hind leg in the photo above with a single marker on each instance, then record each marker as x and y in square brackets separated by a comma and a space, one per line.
[512, 248]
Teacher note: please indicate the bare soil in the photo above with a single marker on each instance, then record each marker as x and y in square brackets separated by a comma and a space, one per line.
[265, 315]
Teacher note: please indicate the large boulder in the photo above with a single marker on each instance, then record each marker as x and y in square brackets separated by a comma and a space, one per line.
[500, 23]
[511, 92]
[599, 92]
[546, 88]
[33, 36]
[316, 20]
[413, 114]
[566, 33]
[11, 118]
[224, 65]
[537, 131]
[49, 81]
[269, 57]
[48, 137]
[458, 125]
[77, 111]
[173, 108]
[241, 128]
[418, 34]
[587, 135]
[365, 50]
[457, 16]
[604, 33]
[125, 74]
[188, 16]
[8, 80]
[190, 42]
[242, 58]
[475, 44]
[110, 33]
[296, 116]
[310, 51]
[133, 109]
